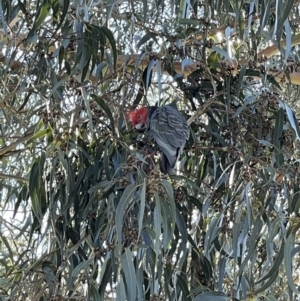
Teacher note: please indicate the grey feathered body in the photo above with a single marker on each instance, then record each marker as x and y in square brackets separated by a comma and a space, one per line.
[170, 130]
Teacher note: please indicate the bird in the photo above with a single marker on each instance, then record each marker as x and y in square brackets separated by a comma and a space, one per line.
[167, 126]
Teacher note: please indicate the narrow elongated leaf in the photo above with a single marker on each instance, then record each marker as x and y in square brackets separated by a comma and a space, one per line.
[270, 298]
[125, 200]
[267, 284]
[283, 11]
[22, 7]
[248, 100]
[182, 9]
[211, 235]
[170, 193]
[211, 296]
[276, 264]
[167, 221]
[288, 39]
[144, 39]
[184, 288]
[293, 121]
[180, 223]
[36, 186]
[142, 207]
[265, 14]
[129, 272]
[147, 74]
[88, 107]
[189, 22]
[145, 10]
[252, 243]
[277, 137]
[157, 224]
[105, 276]
[65, 8]
[112, 42]
[241, 78]
[288, 258]
[222, 52]
[186, 63]
[94, 291]
[40, 17]
[38, 135]
[82, 266]
[121, 295]
[159, 79]
[110, 6]
[106, 109]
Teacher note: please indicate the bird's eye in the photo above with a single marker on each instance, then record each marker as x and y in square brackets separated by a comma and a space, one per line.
[139, 117]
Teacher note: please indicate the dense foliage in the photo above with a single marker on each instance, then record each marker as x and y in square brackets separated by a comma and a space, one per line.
[86, 213]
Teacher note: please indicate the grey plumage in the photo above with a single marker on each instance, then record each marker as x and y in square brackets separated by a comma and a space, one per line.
[170, 130]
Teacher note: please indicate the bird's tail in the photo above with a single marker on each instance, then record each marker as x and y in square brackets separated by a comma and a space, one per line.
[168, 164]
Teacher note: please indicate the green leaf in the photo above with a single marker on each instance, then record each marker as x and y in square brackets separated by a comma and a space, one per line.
[288, 40]
[61, 56]
[105, 276]
[112, 42]
[129, 272]
[189, 22]
[36, 187]
[106, 109]
[293, 121]
[22, 7]
[288, 257]
[187, 182]
[247, 101]
[142, 207]
[257, 227]
[121, 295]
[181, 225]
[6, 243]
[84, 62]
[88, 107]
[55, 12]
[82, 266]
[170, 194]
[211, 296]
[283, 12]
[270, 298]
[277, 137]
[94, 291]
[147, 74]
[144, 39]
[110, 6]
[125, 200]
[38, 135]
[241, 78]
[102, 42]
[265, 15]
[267, 284]
[65, 8]
[167, 223]
[184, 288]
[222, 52]
[43, 12]
[182, 9]
[213, 60]
[157, 219]
[145, 10]
[276, 264]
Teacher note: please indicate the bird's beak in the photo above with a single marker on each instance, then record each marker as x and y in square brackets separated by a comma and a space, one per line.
[140, 126]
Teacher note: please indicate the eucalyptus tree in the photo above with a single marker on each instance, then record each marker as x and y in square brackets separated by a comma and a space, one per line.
[87, 213]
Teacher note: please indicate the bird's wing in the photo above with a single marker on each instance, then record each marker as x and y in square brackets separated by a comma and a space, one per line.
[168, 126]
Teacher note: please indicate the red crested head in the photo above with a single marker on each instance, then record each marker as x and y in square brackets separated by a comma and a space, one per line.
[138, 118]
